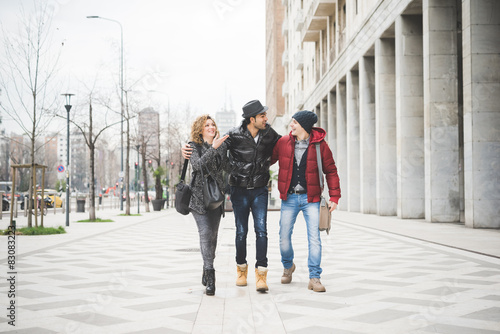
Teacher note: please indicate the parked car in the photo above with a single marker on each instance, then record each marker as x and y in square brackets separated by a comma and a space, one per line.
[49, 201]
[5, 204]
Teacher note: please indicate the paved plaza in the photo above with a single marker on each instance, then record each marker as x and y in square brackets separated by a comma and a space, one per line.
[142, 274]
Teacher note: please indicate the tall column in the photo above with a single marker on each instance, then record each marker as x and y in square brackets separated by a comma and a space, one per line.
[410, 117]
[341, 161]
[481, 60]
[323, 119]
[331, 132]
[385, 118]
[353, 152]
[368, 193]
[442, 191]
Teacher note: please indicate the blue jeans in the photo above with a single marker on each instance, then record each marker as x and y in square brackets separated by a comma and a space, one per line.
[243, 200]
[289, 211]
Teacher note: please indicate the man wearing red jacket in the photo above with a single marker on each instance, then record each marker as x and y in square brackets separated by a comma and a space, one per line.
[299, 187]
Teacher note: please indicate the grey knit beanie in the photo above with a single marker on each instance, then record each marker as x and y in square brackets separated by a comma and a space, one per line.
[306, 119]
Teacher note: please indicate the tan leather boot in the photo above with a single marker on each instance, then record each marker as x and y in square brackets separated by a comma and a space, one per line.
[287, 274]
[315, 285]
[242, 270]
[260, 279]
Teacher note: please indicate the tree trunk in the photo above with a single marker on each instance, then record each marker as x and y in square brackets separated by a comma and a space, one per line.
[145, 175]
[30, 199]
[32, 191]
[158, 186]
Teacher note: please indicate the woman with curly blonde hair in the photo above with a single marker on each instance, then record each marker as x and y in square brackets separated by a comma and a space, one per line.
[206, 154]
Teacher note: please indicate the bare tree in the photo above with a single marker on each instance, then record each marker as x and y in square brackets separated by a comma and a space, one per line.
[26, 73]
[91, 136]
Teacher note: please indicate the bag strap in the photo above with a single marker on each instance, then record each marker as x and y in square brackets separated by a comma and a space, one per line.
[198, 148]
[184, 169]
[320, 166]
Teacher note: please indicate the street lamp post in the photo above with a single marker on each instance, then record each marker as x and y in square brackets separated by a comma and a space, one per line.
[121, 101]
[68, 108]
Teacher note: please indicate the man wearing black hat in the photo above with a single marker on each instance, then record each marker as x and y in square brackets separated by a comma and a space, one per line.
[250, 148]
[300, 190]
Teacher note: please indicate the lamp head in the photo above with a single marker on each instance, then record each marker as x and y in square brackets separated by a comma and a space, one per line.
[93, 17]
[68, 98]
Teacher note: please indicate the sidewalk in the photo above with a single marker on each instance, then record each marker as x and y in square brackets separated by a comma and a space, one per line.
[142, 275]
[481, 241]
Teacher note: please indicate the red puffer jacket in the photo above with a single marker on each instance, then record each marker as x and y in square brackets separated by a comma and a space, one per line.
[284, 152]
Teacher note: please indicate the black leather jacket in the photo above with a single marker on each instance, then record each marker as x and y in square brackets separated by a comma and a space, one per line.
[249, 161]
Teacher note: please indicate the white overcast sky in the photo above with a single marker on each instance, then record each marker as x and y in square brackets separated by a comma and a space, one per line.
[196, 52]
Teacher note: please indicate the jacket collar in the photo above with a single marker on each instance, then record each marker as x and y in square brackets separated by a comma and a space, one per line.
[317, 135]
[245, 131]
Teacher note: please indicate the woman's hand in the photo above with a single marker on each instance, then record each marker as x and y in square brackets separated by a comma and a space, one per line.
[332, 205]
[218, 141]
[186, 151]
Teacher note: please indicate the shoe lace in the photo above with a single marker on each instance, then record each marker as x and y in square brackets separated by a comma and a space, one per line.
[260, 277]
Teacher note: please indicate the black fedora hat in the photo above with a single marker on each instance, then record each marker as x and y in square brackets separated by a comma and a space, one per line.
[253, 108]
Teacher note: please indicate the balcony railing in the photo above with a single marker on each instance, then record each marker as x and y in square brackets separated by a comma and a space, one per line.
[284, 28]
[299, 20]
[323, 7]
[299, 60]
[316, 19]
[284, 58]
[310, 35]
[284, 89]
[299, 100]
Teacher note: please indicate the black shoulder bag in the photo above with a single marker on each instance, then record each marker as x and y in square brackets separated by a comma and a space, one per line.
[183, 193]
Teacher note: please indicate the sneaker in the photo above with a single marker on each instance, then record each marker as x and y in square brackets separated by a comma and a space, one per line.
[287, 274]
[315, 285]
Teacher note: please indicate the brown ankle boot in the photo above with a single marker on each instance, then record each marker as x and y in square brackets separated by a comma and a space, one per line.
[315, 285]
[260, 279]
[242, 270]
[287, 274]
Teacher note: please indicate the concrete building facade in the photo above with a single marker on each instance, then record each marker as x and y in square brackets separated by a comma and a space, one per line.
[149, 131]
[275, 58]
[408, 92]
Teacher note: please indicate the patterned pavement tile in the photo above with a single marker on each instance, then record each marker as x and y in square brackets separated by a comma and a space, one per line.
[489, 314]
[31, 330]
[129, 280]
[451, 329]
[322, 330]
[380, 316]
[95, 319]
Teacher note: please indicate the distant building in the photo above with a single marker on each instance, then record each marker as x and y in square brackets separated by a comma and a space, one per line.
[62, 144]
[226, 120]
[19, 153]
[19, 149]
[149, 131]
[51, 160]
[4, 156]
[79, 164]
